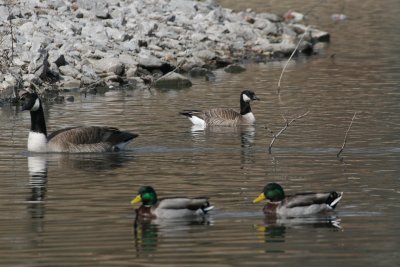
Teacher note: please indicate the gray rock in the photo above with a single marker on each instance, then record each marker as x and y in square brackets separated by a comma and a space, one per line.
[70, 83]
[204, 54]
[235, 68]
[113, 65]
[199, 72]
[115, 34]
[70, 98]
[55, 4]
[69, 70]
[149, 61]
[131, 72]
[128, 60]
[130, 45]
[56, 57]
[102, 12]
[89, 72]
[191, 62]
[173, 80]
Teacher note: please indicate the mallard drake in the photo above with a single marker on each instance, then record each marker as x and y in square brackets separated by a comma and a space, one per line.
[300, 204]
[169, 208]
[225, 116]
[73, 139]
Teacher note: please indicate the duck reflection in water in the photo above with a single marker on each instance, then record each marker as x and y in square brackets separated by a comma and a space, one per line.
[150, 233]
[275, 229]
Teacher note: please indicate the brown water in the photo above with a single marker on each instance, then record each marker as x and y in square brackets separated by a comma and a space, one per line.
[73, 210]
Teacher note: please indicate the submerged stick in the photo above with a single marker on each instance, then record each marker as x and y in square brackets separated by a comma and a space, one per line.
[345, 136]
[283, 129]
[287, 62]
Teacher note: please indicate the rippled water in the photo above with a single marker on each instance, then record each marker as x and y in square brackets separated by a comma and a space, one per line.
[73, 210]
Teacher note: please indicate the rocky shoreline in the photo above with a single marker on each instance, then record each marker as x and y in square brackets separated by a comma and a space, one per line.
[81, 45]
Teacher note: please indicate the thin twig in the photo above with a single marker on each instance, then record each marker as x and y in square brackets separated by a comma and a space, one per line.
[283, 129]
[345, 136]
[287, 62]
[169, 73]
[12, 34]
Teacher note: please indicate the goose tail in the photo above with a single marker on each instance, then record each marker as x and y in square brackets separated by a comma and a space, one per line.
[194, 117]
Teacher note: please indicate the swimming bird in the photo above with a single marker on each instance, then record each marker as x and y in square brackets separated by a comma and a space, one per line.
[300, 204]
[169, 208]
[225, 116]
[73, 139]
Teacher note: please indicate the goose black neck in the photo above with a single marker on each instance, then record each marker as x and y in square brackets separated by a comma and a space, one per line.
[244, 106]
[38, 123]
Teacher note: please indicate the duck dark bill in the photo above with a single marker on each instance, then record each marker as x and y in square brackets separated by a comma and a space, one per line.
[260, 198]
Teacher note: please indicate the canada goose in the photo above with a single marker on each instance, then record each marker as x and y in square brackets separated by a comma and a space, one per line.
[169, 208]
[225, 116]
[73, 139]
[300, 204]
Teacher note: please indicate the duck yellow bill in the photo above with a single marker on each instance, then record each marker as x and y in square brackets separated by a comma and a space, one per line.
[137, 199]
[261, 197]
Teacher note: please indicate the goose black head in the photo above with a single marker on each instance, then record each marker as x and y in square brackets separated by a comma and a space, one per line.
[31, 101]
[248, 96]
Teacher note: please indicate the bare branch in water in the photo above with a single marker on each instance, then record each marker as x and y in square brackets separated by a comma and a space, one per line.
[284, 128]
[345, 136]
[287, 62]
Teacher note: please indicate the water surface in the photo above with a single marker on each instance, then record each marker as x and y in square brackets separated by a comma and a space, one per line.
[73, 210]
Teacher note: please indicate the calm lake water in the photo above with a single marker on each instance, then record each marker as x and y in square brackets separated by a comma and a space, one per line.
[74, 210]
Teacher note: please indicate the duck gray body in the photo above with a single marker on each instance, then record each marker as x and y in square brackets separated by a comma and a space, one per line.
[225, 116]
[73, 139]
[301, 204]
[179, 207]
[304, 204]
[169, 208]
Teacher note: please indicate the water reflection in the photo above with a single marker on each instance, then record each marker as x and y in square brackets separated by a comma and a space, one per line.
[92, 161]
[246, 133]
[275, 230]
[37, 166]
[38, 172]
[149, 234]
[275, 227]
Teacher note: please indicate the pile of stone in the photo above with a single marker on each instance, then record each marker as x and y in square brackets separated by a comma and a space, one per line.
[82, 43]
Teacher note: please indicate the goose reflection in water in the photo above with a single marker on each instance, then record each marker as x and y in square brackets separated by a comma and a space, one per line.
[92, 161]
[246, 134]
[38, 171]
[37, 166]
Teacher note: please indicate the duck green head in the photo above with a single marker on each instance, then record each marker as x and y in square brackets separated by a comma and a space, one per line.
[272, 192]
[147, 195]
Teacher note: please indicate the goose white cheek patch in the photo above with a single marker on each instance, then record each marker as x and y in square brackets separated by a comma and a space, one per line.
[36, 105]
[246, 98]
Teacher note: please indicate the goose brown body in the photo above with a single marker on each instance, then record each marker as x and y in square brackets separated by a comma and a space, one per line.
[72, 139]
[225, 116]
